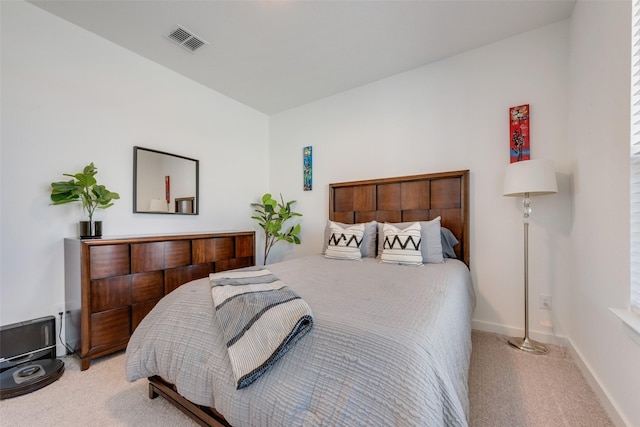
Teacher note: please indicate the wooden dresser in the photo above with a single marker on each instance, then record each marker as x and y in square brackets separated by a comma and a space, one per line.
[112, 283]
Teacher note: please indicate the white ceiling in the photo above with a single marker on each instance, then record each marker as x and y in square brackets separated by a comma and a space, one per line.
[275, 55]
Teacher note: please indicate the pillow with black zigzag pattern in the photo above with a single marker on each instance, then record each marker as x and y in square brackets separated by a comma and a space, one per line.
[344, 243]
[369, 246]
[402, 246]
[431, 245]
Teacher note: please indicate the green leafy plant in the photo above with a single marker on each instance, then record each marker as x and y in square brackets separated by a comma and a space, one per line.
[83, 188]
[272, 215]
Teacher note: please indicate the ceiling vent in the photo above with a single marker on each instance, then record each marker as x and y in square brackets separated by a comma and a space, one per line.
[186, 38]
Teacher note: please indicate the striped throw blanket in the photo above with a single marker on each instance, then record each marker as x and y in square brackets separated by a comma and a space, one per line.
[261, 318]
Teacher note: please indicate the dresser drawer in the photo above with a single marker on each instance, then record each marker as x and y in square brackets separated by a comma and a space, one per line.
[244, 246]
[110, 293]
[214, 249]
[109, 260]
[200, 271]
[147, 257]
[230, 264]
[110, 326]
[177, 253]
[147, 286]
[175, 277]
[139, 311]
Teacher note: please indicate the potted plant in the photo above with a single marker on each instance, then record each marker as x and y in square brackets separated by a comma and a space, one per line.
[272, 216]
[84, 188]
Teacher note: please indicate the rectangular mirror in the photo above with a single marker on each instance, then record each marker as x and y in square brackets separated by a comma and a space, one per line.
[164, 183]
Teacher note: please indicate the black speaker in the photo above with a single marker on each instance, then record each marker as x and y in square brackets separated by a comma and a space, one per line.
[28, 356]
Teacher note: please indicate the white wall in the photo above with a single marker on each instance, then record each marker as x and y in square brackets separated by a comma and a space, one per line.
[451, 115]
[70, 97]
[599, 137]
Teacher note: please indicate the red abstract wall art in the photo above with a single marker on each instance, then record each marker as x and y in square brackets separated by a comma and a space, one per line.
[519, 131]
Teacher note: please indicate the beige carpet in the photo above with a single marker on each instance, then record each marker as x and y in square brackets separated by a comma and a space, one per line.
[506, 388]
[509, 387]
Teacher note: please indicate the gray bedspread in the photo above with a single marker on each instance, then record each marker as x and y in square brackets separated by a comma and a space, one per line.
[390, 347]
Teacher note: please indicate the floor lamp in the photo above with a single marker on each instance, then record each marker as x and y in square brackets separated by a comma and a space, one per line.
[528, 178]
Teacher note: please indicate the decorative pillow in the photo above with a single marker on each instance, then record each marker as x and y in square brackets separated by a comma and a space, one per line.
[431, 240]
[402, 246]
[449, 240]
[344, 243]
[368, 247]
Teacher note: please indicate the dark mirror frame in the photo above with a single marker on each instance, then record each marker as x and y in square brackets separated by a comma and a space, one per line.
[185, 204]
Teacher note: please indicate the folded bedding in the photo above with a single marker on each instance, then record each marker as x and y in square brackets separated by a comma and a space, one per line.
[390, 345]
[261, 319]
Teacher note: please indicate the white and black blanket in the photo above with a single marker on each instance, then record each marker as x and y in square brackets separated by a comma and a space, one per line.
[261, 319]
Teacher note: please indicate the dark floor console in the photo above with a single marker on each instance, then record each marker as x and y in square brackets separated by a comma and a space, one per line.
[28, 356]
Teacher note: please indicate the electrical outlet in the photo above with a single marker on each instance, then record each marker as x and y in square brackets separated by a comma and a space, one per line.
[544, 301]
[57, 310]
[546, 323]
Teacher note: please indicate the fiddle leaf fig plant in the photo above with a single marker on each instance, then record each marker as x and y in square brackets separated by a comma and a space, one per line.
[83, 188]
[272, 216]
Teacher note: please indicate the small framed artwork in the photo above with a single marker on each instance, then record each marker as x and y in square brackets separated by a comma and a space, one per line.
[519, 149]
[307, 167]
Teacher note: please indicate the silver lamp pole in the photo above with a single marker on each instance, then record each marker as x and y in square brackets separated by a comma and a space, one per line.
[526, 343]
[529, 177]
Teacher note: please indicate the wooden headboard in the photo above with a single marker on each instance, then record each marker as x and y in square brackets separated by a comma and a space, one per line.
[407, 198]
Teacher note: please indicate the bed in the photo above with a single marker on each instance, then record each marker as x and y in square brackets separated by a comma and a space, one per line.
[390, 343]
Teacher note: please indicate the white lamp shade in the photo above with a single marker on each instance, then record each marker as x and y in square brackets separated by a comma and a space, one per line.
[536, 177]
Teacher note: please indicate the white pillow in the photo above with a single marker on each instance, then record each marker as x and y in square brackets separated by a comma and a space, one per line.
[368, 248]
[431, 239]
[344, 243]
[402, 246]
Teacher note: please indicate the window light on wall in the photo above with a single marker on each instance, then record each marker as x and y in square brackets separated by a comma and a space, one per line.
[631, 317]
[635, 159]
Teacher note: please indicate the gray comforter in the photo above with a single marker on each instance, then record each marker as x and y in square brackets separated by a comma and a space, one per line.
[390, 346]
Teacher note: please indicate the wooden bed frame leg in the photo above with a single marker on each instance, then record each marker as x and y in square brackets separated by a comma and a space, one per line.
[206, 417]
[152, 392]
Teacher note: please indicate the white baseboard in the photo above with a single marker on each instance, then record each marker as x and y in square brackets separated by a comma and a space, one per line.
[601, 392]
[592, 380]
